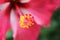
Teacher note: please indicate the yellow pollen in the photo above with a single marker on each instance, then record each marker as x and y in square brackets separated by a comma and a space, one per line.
[26, 21]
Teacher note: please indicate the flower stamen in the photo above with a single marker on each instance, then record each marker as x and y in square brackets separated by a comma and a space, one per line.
[26, 21]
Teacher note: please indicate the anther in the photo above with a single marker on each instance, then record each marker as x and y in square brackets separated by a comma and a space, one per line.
[26, 21]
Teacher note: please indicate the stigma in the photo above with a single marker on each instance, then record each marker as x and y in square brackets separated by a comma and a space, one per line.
[26, 21]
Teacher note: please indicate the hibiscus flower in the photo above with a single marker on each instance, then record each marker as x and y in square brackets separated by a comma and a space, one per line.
[25, 17]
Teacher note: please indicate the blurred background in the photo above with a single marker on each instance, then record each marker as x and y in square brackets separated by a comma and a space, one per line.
[52, 33]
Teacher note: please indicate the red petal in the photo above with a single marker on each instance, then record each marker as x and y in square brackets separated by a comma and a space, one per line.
[3, 1]
[44, 4]
[4, 22]
[28, 33]
[41, 17]
[42, 10]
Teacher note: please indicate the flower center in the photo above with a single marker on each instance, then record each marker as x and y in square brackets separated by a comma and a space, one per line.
[19, 4]
[26, 21]
[13, 2]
